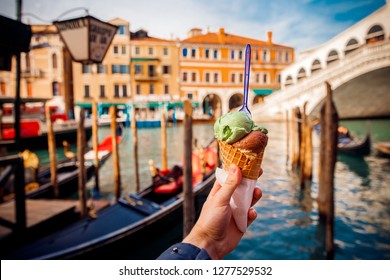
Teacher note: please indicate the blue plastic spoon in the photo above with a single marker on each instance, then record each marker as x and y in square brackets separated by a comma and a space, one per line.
[244, 107]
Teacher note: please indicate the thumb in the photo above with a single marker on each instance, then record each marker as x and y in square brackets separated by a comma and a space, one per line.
[232, 181]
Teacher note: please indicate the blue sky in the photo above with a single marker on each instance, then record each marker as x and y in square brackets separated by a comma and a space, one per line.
[302, 24]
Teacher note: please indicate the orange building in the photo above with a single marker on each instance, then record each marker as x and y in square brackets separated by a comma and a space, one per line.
[212, 69]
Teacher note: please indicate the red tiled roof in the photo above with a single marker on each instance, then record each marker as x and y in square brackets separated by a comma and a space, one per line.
[227, 39]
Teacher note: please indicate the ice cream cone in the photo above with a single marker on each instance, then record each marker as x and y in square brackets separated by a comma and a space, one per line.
[249, 162]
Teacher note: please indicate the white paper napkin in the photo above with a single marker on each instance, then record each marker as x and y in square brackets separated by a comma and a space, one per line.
[241, 198]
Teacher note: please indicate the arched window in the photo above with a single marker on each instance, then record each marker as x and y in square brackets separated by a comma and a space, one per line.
[351, 46]
[54, 60]
[301, 74]
[332, 56]
[375, 34]
[289, 81]
[316, 65]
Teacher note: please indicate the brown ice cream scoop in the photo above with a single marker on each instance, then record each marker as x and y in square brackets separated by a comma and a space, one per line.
[254, 142]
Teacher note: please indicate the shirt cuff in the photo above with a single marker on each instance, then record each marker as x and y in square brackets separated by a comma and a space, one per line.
[184, 251]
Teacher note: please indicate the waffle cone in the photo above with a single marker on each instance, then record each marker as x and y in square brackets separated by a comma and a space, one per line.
[249, 162]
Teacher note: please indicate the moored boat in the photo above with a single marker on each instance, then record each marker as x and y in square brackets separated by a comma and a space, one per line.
[138, 226]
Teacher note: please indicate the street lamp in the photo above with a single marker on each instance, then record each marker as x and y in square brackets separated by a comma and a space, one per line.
[87, 38]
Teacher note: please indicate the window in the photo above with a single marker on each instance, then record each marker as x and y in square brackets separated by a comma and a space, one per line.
[216, 76]
[256, 55]
[54, 60]
[138, 69]
[215, 54]
[151, 70]
[86, 69]
[233, 78]
[193, 77]
[55, 88]
[232, 54]
[101, 68]
[185, 51]
[207, 78]
[166, 89]
[185, 77]
[102, 91]
[165, 51]
[116, 49]
[166, 69]
[150, 51]
[241, 77]
[121, 29]
[124, 69]
[257, 78]
[124, 90]
[115, 69]
[279, 56]
[265, 55]
[123, 49]
[137, 50]
[138, 89]
[240, 55]
[193, 53]
[207, 53]
[116, 91]
[287, 57]
[151, 88]
[3, 88]
[279, 79]
[332, 56]
[265, 78]
[190, 95]
[86, 91]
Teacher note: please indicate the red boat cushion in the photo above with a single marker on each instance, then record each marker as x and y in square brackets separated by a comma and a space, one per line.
[27, 129]
[106, 144]
[170, 188]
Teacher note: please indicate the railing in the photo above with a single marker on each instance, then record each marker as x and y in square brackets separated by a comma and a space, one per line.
[17, 167]
[351, 63]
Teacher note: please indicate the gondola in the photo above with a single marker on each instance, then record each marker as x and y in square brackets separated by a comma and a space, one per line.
[139, 226]
[67, 174]
[383, 149]
[355, 147]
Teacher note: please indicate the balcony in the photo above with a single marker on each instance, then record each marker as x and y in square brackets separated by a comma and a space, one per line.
[144, 78]
[35, 73]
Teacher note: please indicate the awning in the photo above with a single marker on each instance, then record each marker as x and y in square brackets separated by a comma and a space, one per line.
[140, 104]
[263, 91]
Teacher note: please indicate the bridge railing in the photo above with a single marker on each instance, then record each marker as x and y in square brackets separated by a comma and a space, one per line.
[362, 57]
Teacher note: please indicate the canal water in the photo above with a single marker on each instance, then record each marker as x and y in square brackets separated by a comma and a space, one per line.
[287, 226]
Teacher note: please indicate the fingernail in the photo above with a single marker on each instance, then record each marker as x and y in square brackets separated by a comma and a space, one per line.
[233, 169]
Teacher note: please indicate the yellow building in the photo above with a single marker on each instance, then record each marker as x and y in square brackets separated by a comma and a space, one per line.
[108, 82]
[212, 69]
[154, 68]
[42, 73]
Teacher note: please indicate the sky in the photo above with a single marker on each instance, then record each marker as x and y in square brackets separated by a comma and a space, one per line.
[301, 24]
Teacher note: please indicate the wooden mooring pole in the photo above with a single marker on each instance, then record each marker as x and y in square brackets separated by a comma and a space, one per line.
[164, 139]
[135, 149]
[51, 140]
[80, 157]
[115, 155]
[327, 162]
[188, 204]
[295, 138]
[306, 150]
[95, 143]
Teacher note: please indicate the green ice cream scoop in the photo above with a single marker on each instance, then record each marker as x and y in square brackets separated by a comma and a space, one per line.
[234, 126]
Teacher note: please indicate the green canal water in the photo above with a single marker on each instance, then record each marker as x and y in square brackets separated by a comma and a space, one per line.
[287, 226]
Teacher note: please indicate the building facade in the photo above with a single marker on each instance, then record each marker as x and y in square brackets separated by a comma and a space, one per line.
[212, 69]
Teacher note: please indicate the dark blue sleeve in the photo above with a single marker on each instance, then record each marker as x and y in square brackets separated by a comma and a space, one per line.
[184, 251]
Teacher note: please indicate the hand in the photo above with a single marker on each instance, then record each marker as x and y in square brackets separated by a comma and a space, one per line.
[215, 231]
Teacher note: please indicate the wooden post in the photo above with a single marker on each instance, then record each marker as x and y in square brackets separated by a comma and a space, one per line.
[135, 149]
[20, 195]
[295, 138]
[82, 172]
[188, 204]
[287, 139]
[308, 170]
[1, 123]
[163, 139]
[117, 175]
[52, 152]
[327, 162]
[302, 149]
[95, 142]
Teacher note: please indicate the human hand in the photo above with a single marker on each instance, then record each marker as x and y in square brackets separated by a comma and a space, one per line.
[216, 231]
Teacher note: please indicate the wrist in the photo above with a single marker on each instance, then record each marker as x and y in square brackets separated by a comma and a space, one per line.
[201, 241]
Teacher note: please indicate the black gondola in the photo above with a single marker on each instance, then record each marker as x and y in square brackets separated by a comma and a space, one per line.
[138, 226]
